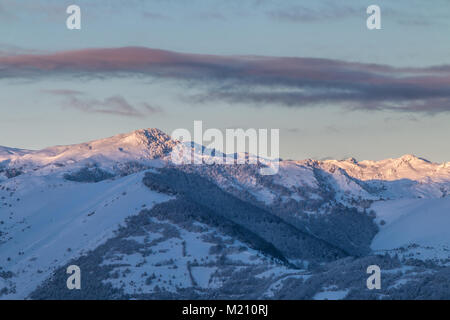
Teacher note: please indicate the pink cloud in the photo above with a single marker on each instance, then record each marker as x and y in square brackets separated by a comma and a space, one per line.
[255, 79]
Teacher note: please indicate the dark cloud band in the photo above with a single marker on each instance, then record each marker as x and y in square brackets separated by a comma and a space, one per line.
[285, 81]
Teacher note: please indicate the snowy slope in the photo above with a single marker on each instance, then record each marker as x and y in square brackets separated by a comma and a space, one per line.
[8, 153]
[54, 221]
[408, 223]
[408, 176]
[405, 167]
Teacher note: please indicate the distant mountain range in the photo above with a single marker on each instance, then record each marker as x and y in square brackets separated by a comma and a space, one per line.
[141, 227]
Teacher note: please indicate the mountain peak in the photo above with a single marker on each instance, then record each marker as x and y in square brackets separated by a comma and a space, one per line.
[143, 143]
[151, 133]
[412, 158]
[147, 137]
[351, 160]
[8, 153]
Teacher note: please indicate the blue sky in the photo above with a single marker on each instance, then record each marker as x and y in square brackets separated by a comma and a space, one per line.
[48, 107]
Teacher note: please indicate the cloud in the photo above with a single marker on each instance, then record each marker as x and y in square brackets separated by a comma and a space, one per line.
[294, 130]
[418, 22]
[279, 81]
[114, 105]
[154, 16]
[55, 10]
[327, 11]
[10, 50]
[63, 92]
[210, 15]
[301, 14]
[396, 119]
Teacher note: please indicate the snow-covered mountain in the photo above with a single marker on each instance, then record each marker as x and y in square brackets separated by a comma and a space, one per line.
[140, 226]
[8, 153]
[140, 145]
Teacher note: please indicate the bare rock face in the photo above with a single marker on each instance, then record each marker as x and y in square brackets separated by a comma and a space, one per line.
[154, 140]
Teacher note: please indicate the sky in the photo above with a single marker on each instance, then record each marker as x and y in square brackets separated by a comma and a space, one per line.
[312, 69]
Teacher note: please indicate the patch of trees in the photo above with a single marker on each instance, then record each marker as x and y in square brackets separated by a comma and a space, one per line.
[342, 226]
[287, 239]
[343, 274]
[130, 167]
[12, 172]
[89, 174]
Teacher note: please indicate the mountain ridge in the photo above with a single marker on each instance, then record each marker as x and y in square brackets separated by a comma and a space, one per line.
[144, 138]
[193, 231]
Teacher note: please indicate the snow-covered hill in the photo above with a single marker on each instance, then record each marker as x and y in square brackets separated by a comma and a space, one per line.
[9, 153]
[420, 225]
[145, 227]
[48, 221]
[140, 145]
